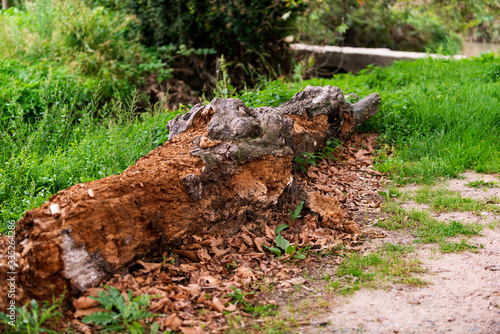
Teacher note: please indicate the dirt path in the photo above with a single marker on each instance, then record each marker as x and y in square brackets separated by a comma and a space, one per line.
[463, 294]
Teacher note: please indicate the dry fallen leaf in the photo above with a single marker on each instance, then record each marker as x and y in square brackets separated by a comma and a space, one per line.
[259, 242]
[192, 330]
[86, 312]
[217, 305]
[245, 272]
[269, 233]
[149, 266]
[84, 302]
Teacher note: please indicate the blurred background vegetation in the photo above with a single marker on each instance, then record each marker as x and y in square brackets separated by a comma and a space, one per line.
[87, 86]
[409, 25]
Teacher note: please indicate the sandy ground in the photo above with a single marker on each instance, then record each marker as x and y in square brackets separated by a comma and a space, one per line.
[464, 291]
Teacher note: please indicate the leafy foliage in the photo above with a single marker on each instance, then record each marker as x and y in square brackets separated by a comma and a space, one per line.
[249, 33]
[400, 24]
[283, 245]
[304, 159]
[309, 158]
[373, 23]
[121, 315]
[240, 298]
[295, 214]
[230, 27]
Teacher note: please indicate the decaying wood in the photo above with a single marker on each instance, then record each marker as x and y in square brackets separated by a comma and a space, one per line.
[223, 165]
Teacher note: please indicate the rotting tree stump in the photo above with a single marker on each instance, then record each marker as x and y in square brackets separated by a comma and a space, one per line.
[223, 164]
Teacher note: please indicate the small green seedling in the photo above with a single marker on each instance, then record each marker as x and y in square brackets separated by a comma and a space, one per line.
[239, 297]
[296, 214]
[283, 245]
[33, 320]
[389, 194]
[120, 315]
[305, 159]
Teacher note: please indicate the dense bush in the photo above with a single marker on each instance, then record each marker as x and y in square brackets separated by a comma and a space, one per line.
[477, 20]
[372, 23]
[249, 33]
[400, 24]
[232, 27]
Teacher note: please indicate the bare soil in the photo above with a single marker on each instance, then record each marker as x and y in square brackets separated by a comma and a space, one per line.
[462, 294]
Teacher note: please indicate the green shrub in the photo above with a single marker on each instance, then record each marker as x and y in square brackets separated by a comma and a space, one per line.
[477, 20]
[373, 23]
[33, 318]
[249, 33]
[233, 28]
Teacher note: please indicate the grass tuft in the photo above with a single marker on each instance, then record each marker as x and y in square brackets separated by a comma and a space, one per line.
[389, 264]
[426, 228]
[444, 200]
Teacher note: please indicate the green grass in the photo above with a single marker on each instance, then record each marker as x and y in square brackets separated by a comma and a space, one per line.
[101, 46]
[452, 247]
[444, 200]
[389, 264]
[269, 325]
[482, 184]
[427, 229]
[68, 146]
[440, 116]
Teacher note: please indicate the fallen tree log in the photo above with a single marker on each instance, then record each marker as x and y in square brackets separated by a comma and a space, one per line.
[224, 164]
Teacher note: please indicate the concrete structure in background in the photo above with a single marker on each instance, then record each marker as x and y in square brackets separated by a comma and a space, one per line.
[329, 59]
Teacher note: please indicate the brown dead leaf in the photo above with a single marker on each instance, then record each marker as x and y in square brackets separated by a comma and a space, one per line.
[269, 233]
[245, 273]
[172, 322]
[217, 305]
[247, 239]
[159, 306]
[208, 281]
[86, 312]
[351, 228]
[201, 299]
[149, 266]
[186, 253]
[84, 302]
[192, 330]
[231, 307]
[218, 252]
[93, 291]
[203, 254]
[84, 329]
[259, 242]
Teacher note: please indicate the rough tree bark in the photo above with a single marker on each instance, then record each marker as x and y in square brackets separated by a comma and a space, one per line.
[222, 165]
